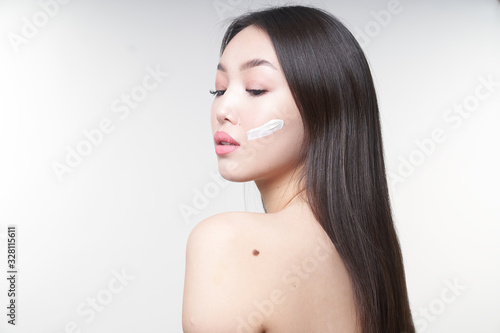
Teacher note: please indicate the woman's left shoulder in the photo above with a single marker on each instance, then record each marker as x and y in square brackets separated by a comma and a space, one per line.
[222, 280]
[223, 228]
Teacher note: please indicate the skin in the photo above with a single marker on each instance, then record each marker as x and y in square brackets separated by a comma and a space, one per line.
[297, 282]
[237, 111]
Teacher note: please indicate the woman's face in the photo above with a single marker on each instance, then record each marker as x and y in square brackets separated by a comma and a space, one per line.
[248, 98]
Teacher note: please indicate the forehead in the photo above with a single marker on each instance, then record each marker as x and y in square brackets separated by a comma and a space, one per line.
[249, 43]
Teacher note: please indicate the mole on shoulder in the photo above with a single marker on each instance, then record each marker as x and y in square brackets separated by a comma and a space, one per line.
[255, 252]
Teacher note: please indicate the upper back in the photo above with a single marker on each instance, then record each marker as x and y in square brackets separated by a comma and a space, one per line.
[251, 272]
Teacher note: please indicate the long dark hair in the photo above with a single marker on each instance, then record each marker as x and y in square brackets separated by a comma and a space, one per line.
[342, 152]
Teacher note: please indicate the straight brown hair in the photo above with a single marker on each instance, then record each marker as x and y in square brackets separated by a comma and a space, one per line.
[342, 153]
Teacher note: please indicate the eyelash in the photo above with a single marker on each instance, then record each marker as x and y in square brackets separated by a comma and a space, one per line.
[253, 92]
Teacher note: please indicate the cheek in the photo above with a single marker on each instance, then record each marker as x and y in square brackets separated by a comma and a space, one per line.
[280, 148]
[285, 140]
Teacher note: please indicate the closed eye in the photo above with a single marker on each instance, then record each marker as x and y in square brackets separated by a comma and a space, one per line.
[217, 93]
[255, 92]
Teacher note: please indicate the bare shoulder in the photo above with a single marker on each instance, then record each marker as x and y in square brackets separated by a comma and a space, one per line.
[251, 272]
[220, 227]
[221, 279]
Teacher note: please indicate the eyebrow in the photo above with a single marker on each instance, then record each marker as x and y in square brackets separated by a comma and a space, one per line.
[249, 64]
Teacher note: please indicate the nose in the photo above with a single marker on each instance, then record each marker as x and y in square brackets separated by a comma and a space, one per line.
[225, 109]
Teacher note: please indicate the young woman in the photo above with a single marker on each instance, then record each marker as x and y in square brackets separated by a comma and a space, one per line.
[295, 110]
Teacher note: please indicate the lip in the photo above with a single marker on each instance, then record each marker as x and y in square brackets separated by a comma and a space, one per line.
[221, 149]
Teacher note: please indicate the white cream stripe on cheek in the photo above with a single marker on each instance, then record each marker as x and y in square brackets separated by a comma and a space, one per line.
[268, 128]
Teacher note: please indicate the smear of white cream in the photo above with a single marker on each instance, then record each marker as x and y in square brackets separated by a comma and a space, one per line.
[268, 128]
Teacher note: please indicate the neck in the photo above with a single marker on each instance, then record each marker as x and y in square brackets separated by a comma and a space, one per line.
[281, 191]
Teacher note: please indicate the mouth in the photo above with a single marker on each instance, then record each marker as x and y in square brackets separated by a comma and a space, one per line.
[224, 143]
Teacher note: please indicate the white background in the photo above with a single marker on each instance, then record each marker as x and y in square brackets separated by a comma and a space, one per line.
[119, 209]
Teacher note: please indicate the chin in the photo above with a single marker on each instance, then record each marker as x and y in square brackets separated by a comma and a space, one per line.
[234, 176]
[234, 172]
